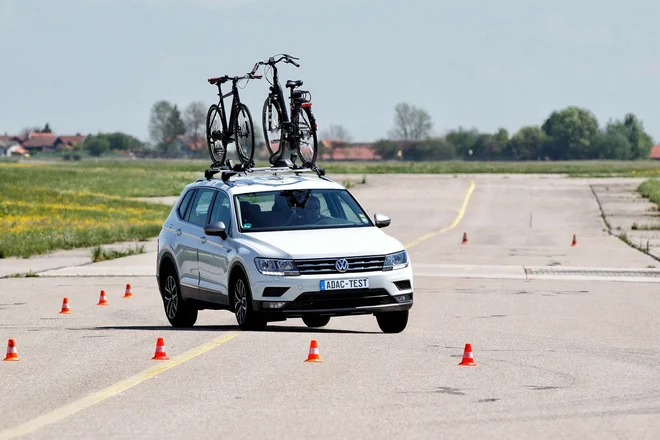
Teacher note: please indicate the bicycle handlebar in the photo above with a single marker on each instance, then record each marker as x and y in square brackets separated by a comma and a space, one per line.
[272, 61]
[225, 78]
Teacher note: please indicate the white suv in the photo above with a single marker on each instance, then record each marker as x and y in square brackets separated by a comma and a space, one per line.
[275, 243]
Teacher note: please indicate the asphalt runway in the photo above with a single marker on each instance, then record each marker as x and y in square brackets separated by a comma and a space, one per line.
[566, 354]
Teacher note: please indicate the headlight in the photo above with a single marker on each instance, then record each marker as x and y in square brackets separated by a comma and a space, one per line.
[269, 266]
[398, 260]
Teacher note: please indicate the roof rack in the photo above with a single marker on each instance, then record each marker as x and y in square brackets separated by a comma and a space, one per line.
[281, 167]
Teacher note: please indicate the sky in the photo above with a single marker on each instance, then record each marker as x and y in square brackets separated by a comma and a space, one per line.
[93, 66]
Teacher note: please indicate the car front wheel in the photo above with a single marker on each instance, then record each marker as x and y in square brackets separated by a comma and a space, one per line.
[246, 317]
[392, 322]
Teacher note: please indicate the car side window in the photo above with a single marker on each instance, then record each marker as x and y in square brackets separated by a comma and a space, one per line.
[200, 207]
[221, 211]
[183, 206]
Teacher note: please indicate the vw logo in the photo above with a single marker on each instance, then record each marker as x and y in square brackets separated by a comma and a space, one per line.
[341, 265]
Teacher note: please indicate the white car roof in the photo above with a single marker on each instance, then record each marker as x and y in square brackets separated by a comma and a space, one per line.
[241, 184]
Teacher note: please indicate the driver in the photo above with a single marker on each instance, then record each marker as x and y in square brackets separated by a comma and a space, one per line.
[312, 211]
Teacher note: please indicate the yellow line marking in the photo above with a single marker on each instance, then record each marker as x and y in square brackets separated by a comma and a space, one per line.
[74, 407]
[452, 225]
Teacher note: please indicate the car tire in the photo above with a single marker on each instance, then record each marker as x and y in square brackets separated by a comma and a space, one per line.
[392, 322]
[246, 317]
[316, 321]
[179, 312]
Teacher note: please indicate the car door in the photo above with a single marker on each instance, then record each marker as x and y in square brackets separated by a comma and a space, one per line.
[185, 249]
[192, 232]
[214, 254]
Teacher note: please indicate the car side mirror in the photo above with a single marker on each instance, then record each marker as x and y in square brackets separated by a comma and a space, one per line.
[216, 229]
[381, 220]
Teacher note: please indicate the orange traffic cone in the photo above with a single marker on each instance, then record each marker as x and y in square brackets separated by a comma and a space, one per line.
[65, 307]
[465, 240]
[574, 243]
[128, 293]
[102, 300]
[12, 354]
[160, 354]
[468, 360]
[313, 352]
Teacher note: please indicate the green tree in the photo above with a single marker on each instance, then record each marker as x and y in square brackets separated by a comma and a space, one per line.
[640, 142]
[124, 142]
[526, 144]
[574, 132]
[97, 145]
[463, 140]
[430, 149]
[410, 123]
[175, 124]
[613, 143]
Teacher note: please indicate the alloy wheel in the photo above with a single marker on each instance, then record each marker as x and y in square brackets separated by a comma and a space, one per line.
[171, 297]
[240, 301]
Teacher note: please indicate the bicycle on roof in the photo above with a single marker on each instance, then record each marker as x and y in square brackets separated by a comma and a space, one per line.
[295, 133]
[239, 129]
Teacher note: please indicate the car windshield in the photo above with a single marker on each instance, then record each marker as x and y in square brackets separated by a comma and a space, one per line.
[299, 209]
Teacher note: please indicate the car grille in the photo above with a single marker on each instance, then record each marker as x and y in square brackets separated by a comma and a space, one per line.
[327, 265]
[344, 299]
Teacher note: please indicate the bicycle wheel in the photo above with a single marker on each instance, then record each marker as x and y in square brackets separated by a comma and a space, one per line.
[244, 134]
[307, 142]
[271, 120]
[217, 150]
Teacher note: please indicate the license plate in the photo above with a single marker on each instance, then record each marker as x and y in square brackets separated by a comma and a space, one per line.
[355, 283]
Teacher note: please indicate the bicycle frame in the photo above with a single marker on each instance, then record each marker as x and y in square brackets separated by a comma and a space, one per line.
[277, 93]
[290, 136]
[289, 120]
[236, 100]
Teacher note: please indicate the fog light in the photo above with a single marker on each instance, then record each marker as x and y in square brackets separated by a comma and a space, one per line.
[403, 298]
[273, 305]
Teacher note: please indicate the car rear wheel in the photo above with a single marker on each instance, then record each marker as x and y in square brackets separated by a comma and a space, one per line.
[246, 317]
[178, 312]
[316, 321]
[392, 322]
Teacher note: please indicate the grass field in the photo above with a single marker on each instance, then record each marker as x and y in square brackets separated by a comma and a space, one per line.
[170, 172]
[63, 205]
[48, 207]
[651, 190]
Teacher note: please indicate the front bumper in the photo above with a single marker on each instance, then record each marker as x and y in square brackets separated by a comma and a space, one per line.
[338, 303]
[296, 296]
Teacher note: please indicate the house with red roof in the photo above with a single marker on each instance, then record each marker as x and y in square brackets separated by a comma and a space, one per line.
[655, 153]
[39, 142]
[67, 142]
[339, 150]
[35, 141]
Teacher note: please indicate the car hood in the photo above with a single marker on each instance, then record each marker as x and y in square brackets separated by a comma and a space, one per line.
[327, 243]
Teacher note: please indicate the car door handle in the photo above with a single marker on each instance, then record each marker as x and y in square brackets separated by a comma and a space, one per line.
[203, 239]
[178, 232]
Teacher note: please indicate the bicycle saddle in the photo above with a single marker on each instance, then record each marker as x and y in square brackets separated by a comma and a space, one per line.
[294, 83]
